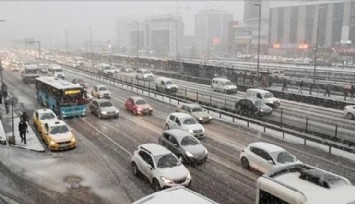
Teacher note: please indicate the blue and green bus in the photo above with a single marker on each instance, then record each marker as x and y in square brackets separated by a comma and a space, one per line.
[64, 98]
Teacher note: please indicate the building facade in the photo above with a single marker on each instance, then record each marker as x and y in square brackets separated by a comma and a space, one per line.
[159, 35]
[298, 28]
[211, 30]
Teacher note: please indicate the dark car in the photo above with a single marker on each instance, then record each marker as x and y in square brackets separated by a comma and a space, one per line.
[103, 108]
[184, 145]
[252, 107]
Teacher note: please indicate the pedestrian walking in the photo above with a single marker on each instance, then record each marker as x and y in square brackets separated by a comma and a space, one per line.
[24, 117]
[244, 77]
[301, 87]
[284, 85]
[251, 79]
[22, 127]
[7, 106]
[327, 90]
[352, 91]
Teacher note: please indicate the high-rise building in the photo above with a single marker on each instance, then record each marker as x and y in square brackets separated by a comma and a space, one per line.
[211, 28]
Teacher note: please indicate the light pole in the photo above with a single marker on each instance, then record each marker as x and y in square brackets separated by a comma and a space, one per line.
[258, 59]
[90, 34]
[316, 47]
[177, 40]
[137, 24]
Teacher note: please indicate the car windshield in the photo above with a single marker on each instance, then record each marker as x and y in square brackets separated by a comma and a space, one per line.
[147, 72]
[60, 129]
[47, 116]
[169, 82]
[106, 104]
[167, 161]
[102, 89]
[259, 103]
[189, 121]
[58, 70]
[31, 71]
[228, 83]
[189, 140]
[107, 68]
[140, 102]
[197, 109]
[268, 95]
[283, 157]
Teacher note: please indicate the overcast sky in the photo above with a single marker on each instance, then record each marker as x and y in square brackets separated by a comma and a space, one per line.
[46, 21]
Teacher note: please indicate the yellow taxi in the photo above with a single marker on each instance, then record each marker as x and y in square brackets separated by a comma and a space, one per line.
[58, 135]
[42, 116]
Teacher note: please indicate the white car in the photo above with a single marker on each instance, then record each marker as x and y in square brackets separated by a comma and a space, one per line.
[161, 167]
[265, 157]
[100, 91]
[349, 112]
[144, 74]
[186, 122]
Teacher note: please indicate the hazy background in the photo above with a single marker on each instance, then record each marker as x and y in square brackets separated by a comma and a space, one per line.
[47, 21]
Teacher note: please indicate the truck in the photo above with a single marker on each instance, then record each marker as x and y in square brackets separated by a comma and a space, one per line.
[104, 69]
[29, 73]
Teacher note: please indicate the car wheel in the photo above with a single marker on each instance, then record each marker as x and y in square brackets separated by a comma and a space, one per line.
[349, 116]
[135, 170]
[167, 127]
[245, 163]
[156, 185]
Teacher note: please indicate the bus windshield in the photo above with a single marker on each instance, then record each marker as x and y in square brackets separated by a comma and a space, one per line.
[72, 96]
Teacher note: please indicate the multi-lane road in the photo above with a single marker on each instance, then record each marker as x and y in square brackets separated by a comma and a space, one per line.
[101, 161]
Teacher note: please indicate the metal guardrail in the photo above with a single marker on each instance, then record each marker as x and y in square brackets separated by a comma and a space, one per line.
[338, 143]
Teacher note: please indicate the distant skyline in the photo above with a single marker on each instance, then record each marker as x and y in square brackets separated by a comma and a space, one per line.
[48, 21]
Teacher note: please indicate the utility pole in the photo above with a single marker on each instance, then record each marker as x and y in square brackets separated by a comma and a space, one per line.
[137, 41]
[316, 48]
[258, 59]
[177, 40]
[90, 33]
[66, 41]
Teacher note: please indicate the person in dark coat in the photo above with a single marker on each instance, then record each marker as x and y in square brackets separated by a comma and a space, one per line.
[284, 85]
[22, 127]
[327, 90]
[24, 117]
[352, 91]
[311, 86]
[301, 86]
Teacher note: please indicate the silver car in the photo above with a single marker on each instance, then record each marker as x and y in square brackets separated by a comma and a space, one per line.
[103, 108]
[184, 145]
[349, 112]
[185, 122]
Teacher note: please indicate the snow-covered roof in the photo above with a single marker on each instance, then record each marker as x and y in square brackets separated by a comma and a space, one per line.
[155, 149]
[267, 146]
[176, 195]
[58, 83]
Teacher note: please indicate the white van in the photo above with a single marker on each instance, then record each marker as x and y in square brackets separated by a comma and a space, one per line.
[166, 85]
[266, 96]
[56, 71]
[223, 85]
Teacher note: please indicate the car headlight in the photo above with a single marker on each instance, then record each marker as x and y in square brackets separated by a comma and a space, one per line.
[206, 151]
[139, 109]
[190, 131]
[117, 111]
[189, 154]
[84, 109]
[200, 118]
[203, 129]
[165, 180]
[210, 117]
[104, 112]
[52, 142]
[261, 110]
[73, 140]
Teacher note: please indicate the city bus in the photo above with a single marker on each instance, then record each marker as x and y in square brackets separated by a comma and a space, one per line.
[303, 184]
[64, 98]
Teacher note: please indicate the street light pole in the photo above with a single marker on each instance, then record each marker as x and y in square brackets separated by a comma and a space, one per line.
[177, 40]
[137, 42]
[258, 59]
[66, 41]
[316, 47]
[90, 33]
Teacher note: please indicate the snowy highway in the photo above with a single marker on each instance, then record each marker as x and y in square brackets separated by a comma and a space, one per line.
[101, 161]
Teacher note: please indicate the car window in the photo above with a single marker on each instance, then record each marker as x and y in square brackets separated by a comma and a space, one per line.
[47, 116]
[173, 140]
[94, 103]
[188, 109]
[106, 104]
[183, 107]
[146, 157]
[166, 136]
[268, 95]
[283, 157]
[264, 155]
[169, 82]
[189, 140]
[36, 114]
[228, 83]
[162, 83]
[102, 89]
[177, 121]
[172, 118]
[46, 127]
[258, 95]
[259, 103]
[60, 129]
[141, 102]
[167, 161]
[189, 121]
[197, 109]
